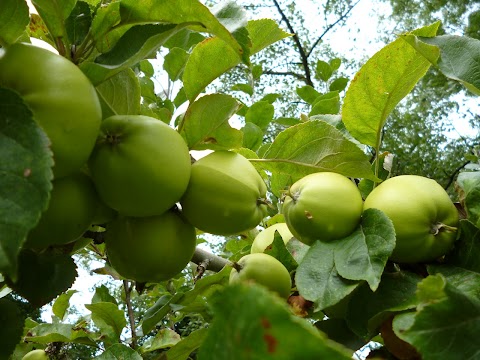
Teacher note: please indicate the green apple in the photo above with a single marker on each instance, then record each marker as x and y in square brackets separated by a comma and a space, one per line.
[322, 206]
[265, 238]
[265, 270]
[424, 217]
[150, 249]
[225, 195]
[36, 355]
[72, 206]
[140, 165]
[62, 99]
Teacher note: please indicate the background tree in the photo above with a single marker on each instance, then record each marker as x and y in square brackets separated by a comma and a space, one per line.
[422, 126]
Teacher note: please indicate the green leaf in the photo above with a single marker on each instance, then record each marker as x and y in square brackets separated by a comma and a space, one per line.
[14, 19]
[109, 319]
[469, 193]
[338, 331]
[213, 57]
[38, 29]
[286, 121]
[307, 93]
[386, 160]
[466, 281]
[317, 278]
[42, 277]
[315, 146]
[119, 352]
[78, 23]
[338, 84]
[191, 11]
[174, 63]
[135, 45]
[165, 338]
[55, 13]
[49, 333]
[297, 249]
[271, 98]
[252, 136]
[206, 123]
[364, 254]
[11, 331]
[183, 349]
[377, 88]
[62, 303]
[184, 39]
[257, 71]
[102, 294]
[236, 247]
[158, 311]
[120, 94]
[164, 305]
[458, 59]
[447, 324]
[268, 329]
[147, 68]
[203, 286]
[106, 18]
[466, 251]
[367, 310]
[323, 70]
[260, 113]
[234, 17]
[279, 251]
[335, 64]
[328, 103]
[263, 33]
[26, 167]
[246, 88]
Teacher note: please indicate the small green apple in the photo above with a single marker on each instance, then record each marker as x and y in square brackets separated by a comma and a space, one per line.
[265, 238]
[36, 355]
[265, 270]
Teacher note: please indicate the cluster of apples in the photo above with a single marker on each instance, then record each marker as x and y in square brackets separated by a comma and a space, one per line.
[327, 206]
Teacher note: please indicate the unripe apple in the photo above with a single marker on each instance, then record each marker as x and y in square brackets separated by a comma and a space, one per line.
[265, 270]
[424, 217]
[70, 212]
[140, 165]
[322, 206]
[225, 195]
[36, 355]
[150, 249]
[265, 238]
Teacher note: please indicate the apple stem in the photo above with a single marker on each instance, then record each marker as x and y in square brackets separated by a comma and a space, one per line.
[437, 228]
[263, 201]
[236, 266]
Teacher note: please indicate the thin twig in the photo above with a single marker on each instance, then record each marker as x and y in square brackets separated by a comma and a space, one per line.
[201, 268]
[329, 27]
[131, 317]
[301, 50]
[452, 176]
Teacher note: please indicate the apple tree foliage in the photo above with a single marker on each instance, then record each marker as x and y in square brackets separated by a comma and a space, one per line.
[346, 292]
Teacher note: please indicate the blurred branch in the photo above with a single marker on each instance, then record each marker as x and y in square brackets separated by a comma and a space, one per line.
[454, 174]
[209, 261]
[301, 50]
[286, 73]
[131, 317]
